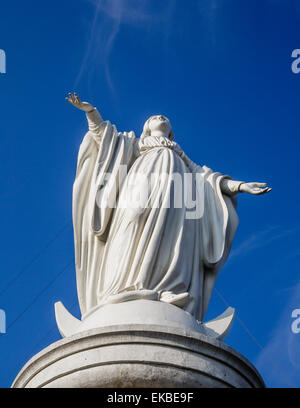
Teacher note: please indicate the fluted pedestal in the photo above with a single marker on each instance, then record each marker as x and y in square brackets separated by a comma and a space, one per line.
[137, 355]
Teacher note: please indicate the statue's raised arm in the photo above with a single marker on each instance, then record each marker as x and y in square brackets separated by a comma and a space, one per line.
[102, 155]
[94, 118]
[75, 101]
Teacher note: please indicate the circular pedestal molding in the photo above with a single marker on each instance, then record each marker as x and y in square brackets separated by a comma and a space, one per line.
[138, 356]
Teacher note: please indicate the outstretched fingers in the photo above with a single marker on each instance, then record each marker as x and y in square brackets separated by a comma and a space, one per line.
[76, 97]
[260, 191]
[71, 96]
[73, 99]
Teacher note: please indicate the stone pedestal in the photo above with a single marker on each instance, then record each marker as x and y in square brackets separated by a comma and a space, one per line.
[138, 355]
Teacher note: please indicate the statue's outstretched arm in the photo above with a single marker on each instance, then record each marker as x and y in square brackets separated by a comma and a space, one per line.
[228, 186]
[93, 116]
[231, 187]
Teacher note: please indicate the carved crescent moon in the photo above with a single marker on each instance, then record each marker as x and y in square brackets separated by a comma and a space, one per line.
[217, 328]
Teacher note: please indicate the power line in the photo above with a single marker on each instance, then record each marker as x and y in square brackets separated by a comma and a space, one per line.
[42, 250]
[39, 294]
[45, 336]
[48, 332]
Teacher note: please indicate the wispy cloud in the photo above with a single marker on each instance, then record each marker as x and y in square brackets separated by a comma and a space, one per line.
[279, 361]
[109, 16]
[208, 11]
[89, 46]
[261, 239]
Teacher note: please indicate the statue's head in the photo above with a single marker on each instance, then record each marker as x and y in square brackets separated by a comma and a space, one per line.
[158, 123]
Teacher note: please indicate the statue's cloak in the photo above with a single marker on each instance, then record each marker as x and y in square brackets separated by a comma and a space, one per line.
[156, 247]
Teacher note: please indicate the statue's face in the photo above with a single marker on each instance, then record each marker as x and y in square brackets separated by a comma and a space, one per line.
[160, 123]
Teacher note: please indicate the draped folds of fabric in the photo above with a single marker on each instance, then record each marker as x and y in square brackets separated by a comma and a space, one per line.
[158, 245]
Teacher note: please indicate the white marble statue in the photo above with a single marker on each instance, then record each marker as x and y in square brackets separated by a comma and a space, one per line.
[152, 251]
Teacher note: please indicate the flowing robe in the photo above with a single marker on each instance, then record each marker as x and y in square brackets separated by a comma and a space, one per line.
[158, 246]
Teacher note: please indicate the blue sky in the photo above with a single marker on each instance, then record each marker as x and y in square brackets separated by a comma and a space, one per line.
[221, 71]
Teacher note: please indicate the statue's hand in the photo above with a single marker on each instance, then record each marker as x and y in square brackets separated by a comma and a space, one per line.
[75, 101]
[254, 188]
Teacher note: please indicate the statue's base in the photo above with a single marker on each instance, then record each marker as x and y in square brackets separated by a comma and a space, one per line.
[133, 356]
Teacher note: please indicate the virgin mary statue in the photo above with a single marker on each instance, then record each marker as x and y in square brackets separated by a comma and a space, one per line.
[162, 248]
